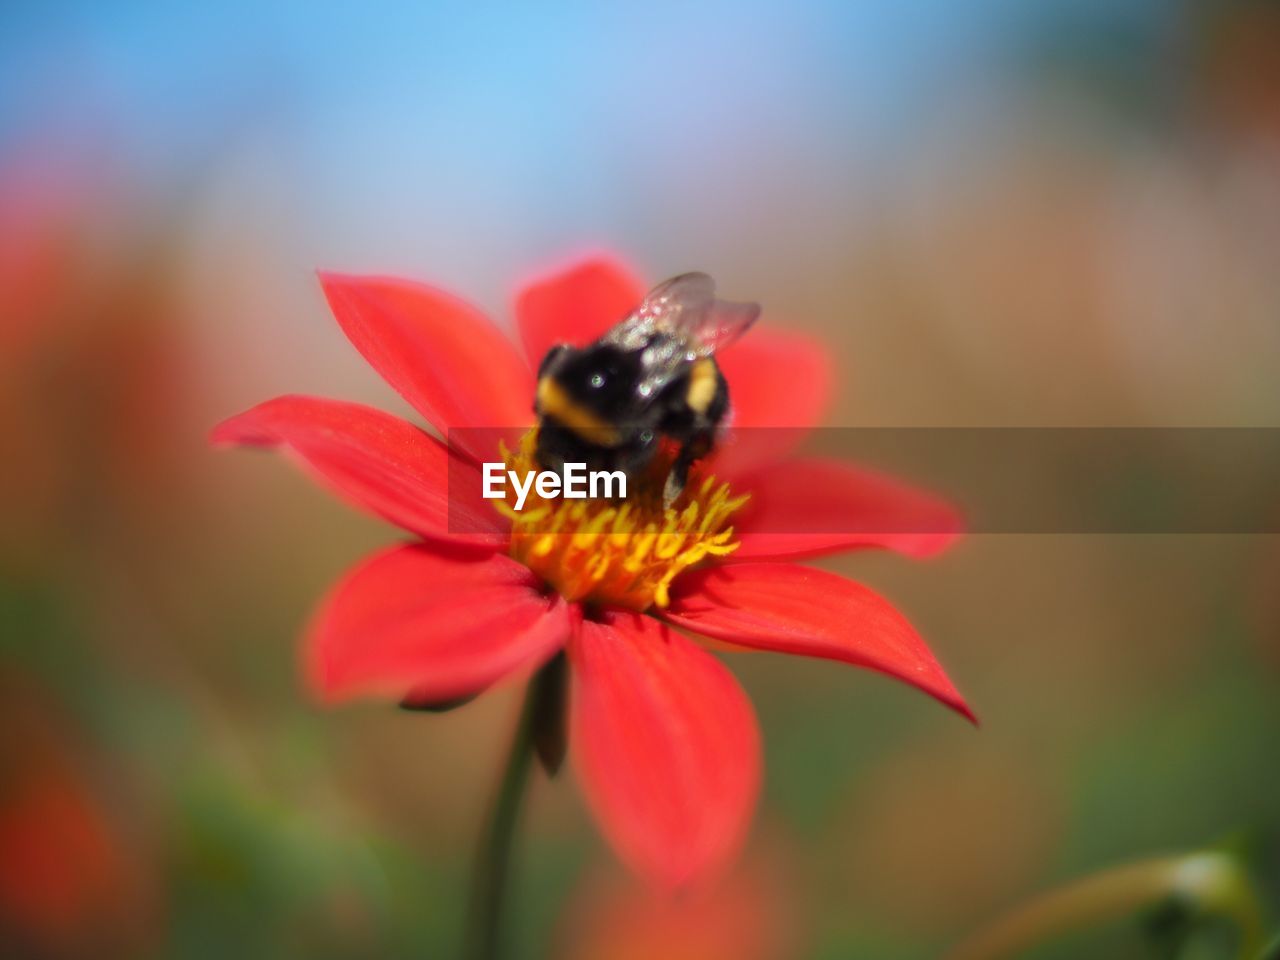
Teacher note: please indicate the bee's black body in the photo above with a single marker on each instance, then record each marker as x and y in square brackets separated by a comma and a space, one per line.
[608, 404]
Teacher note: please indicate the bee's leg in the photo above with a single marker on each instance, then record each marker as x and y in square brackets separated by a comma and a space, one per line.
[676, 480]
[695, 448]
[693, 416]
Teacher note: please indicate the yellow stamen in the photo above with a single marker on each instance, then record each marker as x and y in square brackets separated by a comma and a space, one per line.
[618, 553]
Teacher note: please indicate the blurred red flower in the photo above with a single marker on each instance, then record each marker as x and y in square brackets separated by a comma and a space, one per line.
[92, 374]
[68, 881]
[666, 744]
[749, 916]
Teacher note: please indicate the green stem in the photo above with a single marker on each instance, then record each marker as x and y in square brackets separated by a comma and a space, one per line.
[493, 860]
[1212, 882]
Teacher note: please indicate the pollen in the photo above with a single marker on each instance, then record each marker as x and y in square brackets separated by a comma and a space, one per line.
[619, 552]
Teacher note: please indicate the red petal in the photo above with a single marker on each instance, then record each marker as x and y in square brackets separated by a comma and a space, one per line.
[793, 609]
[779, 388]
[374, 460]
[777, 379]
[575, 305]
[442, 355]
[806, 507]
[440, 623]
[667, 747]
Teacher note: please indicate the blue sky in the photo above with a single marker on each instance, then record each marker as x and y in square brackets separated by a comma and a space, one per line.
[529, 125]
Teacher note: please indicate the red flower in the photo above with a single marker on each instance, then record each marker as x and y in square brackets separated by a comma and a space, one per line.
[70, 883]
[666, 744]
[747, 916]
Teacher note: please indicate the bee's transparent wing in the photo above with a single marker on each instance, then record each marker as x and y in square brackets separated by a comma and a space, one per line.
[686, 306]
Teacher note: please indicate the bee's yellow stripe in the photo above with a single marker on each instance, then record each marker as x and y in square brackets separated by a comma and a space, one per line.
[702, 385]
[554, 402]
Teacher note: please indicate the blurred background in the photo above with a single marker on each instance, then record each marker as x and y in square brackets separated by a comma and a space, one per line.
[999, 213]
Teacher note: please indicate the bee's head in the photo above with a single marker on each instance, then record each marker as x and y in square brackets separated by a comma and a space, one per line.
[601, 377]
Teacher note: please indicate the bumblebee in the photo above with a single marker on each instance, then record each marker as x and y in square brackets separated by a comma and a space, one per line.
[652, 377]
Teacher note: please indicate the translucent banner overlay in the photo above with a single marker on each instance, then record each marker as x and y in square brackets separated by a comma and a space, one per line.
[990, 480]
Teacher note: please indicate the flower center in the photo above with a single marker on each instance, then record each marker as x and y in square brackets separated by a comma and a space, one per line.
[618, 552]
